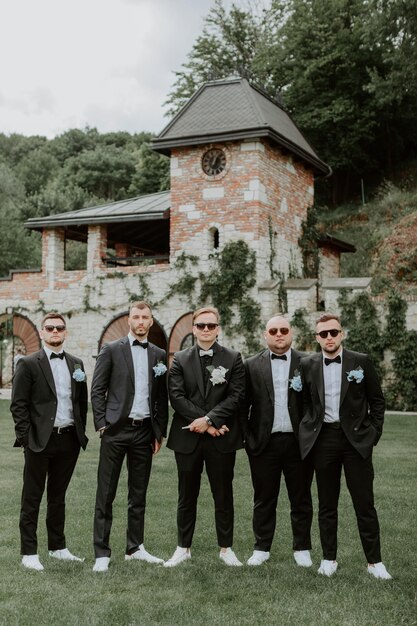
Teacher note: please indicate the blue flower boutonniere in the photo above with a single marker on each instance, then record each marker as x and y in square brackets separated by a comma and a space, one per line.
[159, 369]
[355, 375]
[78, 374]
[295, 382]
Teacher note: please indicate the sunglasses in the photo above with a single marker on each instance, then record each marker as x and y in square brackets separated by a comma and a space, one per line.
[333, 333]
[202, 326]
[282, 331]
[50, 329]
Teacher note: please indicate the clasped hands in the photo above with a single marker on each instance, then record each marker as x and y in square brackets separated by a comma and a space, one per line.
[200, 426]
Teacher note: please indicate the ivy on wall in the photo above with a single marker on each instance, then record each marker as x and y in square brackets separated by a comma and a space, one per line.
[366, 334]
[308, 243]
[228, 286]
[305, 339]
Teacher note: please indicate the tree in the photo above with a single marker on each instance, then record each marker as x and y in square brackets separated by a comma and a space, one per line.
[328, 60]
[19, 248]
[227, 46]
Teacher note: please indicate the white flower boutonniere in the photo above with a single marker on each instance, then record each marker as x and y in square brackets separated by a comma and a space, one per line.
[217, 374]
[159, 369]
[78, 374]
[295, 382]
[355, 375]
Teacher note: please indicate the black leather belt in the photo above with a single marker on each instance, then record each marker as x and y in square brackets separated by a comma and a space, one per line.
[334, 425]
[139, 423]
[62, 430]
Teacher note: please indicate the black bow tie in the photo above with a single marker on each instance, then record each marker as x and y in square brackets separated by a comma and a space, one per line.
[330, 361]
[143, 344]
[279, 356]
[206, 352]
[55, 355]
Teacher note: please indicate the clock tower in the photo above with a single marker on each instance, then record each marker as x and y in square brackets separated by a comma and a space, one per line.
[240, 169]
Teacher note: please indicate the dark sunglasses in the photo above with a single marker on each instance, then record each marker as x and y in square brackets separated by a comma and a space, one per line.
[333, 333]
[50, 329]
[282, 331]
[202, 326]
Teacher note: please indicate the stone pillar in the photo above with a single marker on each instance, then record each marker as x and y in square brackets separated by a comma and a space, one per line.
[53, 254]
[96, 247]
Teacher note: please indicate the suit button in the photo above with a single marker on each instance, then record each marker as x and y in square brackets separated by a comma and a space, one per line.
[314, 429]
[356, 428]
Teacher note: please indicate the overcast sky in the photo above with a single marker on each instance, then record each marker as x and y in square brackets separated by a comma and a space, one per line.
[107, 64]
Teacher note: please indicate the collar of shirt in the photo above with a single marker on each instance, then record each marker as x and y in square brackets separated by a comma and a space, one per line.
[287, 354]
[48, 351]
[132, 339]
[326, 356]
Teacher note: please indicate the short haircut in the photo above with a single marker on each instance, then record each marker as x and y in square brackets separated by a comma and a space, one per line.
[206, 309]
[53, 315]
[326, 317]
[140, 304]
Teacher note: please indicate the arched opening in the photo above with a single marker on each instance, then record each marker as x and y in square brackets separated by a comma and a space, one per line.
[18, 337]
[181, 335]
[118, 327]
[214, 238]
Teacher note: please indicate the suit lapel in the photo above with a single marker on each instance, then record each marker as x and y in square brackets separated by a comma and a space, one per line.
[266, 369]
[70, 365]
[317, 375]
[348, 362]
[47, 371]
[151, 363]
[196, 367]
[127, 353]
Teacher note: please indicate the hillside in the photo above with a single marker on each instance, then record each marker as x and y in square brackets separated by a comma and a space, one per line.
[384, 232]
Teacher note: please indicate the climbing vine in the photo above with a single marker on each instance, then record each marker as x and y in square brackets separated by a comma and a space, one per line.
[308, 243]
[366, 334]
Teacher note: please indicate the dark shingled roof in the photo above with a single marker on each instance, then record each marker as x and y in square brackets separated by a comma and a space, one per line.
[150, 207]
[233, 109]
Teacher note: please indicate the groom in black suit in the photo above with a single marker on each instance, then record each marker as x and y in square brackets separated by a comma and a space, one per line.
[206, 387]
[273, 410]
[130, 405]
[343, 418]
[49, 408]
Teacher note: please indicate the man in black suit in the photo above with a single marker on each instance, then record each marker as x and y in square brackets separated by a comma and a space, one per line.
[273, 410]
[343, 417]
[130, 406]
[206, 387]
[49, 408]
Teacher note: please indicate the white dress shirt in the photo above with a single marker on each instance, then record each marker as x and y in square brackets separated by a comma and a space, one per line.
[332, 376]
[62, 379]
[140, 407]
[280, 374]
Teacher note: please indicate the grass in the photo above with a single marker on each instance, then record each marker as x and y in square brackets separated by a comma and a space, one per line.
[204, 591]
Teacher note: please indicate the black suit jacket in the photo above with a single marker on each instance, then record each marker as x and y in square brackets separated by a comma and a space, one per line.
[34, 401]
[191, 399]
[258, 414]
[361, 408]
[113, 387]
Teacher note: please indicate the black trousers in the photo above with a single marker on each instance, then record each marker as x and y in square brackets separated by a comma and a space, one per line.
[134, 443]
[281, 456]
[220, 472]
[332, 452]
[52, 467]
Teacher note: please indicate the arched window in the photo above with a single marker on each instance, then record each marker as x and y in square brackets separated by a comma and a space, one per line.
[214, 238]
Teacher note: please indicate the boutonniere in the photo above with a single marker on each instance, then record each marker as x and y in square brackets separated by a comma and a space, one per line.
[295, 382]
[355, 375]
[159, 369]
[78, 374]
[217, 374]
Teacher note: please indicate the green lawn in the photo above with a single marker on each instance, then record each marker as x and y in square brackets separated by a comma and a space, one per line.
[204, 591]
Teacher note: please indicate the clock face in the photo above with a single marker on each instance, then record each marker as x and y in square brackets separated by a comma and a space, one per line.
[213, 162]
